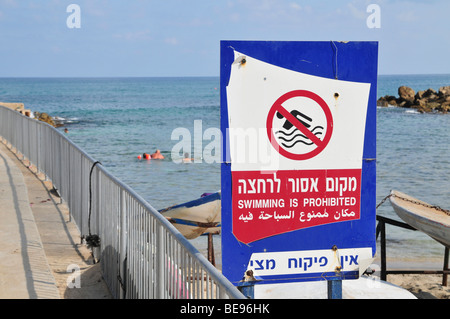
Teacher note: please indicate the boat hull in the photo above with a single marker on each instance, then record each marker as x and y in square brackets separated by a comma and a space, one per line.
[197, 217]
[422, 216]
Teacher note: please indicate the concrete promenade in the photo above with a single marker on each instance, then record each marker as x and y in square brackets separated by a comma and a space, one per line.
[41, 256]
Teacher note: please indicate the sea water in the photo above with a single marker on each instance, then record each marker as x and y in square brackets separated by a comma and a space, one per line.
[116, 119]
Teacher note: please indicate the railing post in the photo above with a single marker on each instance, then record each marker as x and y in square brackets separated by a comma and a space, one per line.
[160, 262]
[123, 245]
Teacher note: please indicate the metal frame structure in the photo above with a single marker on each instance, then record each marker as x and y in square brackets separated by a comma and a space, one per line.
[381, 230]
[142, 255]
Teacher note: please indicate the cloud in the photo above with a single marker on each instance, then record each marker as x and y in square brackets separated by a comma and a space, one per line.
[235, 16]
[295, 6]
[8, 3]
[407, 16]
[171, 40]
[357, 12]
[134, 36]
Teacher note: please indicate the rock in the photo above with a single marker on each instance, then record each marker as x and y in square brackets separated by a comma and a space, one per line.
[444, 107]
[444, 91]
[387, 100]
[433, 105]
[406, 104]
[382, 102]
[390, 97]
[419, 95]
[429, 93]
[424, 109]
[406, 93]
[424, 101]
[44, 117]
[392, 102]
[420, 102]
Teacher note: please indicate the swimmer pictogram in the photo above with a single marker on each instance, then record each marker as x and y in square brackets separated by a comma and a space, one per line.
[299, 125]
[290, 137]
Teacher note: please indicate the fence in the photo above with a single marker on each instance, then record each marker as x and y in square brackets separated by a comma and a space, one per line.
[142, 255]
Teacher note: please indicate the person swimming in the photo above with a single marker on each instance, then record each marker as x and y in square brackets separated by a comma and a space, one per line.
[186, 158]
[157, 155]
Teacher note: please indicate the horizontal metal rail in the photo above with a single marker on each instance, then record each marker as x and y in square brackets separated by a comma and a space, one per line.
[142, 255]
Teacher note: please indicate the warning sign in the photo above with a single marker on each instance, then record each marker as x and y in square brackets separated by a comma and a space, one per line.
[299, 124]
[294, 183]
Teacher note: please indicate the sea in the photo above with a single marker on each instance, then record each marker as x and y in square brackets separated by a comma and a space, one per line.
[116, 119]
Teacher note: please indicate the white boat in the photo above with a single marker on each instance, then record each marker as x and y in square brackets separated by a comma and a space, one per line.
[365, 287]
[432, 220]
[197, 217]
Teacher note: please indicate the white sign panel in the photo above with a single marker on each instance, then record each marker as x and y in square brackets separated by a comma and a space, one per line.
[262, 98]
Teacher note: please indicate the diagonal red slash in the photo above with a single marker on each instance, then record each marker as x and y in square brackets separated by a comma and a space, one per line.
[294, 121]
[278, 107]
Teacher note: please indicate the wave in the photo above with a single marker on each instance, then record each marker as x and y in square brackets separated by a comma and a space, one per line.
[59, 120]
[293, 144]
[296, 129]
[298, 135]
[298, 138]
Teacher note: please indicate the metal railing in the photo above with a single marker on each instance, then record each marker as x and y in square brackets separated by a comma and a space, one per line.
[142, 255]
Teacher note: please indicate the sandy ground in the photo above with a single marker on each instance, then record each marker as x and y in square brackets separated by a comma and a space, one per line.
[65, 253]
[76, 275]
[422, 286]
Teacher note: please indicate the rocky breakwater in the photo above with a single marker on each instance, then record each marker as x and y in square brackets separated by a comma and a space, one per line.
[44, 117]
[423, 101]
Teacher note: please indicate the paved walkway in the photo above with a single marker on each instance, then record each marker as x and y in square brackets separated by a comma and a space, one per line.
[39, 245]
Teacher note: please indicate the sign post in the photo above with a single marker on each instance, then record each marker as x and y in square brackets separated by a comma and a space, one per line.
[298, 121]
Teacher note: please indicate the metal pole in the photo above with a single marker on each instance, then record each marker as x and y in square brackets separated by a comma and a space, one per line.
[334, 284]
[211, 258]
[247, 287]
[334, 288]
[383, 250]
[446, 266]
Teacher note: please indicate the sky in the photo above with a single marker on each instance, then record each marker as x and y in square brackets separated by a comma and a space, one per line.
[151, 38]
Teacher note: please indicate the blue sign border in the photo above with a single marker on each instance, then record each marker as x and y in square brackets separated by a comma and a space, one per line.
[347, 61]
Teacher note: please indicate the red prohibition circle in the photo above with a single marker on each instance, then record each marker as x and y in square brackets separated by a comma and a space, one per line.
[277, 107]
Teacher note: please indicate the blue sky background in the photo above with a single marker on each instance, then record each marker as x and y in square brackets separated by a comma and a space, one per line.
[182, 37]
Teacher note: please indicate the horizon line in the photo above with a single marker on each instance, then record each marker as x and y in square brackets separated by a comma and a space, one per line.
[175, 76]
